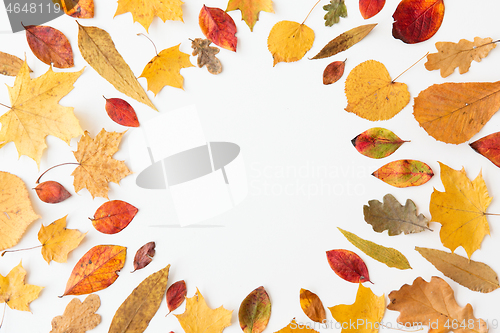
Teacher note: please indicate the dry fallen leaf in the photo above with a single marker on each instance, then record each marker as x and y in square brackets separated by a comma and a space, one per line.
[176, 294]
[113, 216]
[50, 45]
[488, 147]
[121, 112]
[77, 8]
[144, 255]
[144, 11]
[333, 72]
[250, 9]
[9, 64]
[255, 311]
[370, 8]
[404, 173]
[51, 192]
[206, 55]
[417, 20]
[348, 265]
[312, 306]
[218, 27]
[335, 10]
[78, 317]
[295, 327]
[377, 142]
[289, 41]
[14, 292]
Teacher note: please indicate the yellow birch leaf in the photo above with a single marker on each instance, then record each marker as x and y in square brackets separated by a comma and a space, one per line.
[461, 210]
[372, 94]
[164, 69]
[143, 11]
[250, 9]
[57, 241]
[14, 292]
[289, 41]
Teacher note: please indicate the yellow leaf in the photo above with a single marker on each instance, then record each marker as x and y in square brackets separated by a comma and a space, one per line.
[97, 166]
[250, 9]
[199, 318]
[295, 327]
[164, 69]
[461, 210]
[36, 113]
[57, 241]
[143, 11]
[14, 292]
[289, 41]
[371, 93]
[16, 212]
[366, 313]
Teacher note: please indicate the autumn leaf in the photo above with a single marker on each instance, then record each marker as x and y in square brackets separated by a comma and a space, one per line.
[348, 265]
[488, 146]
[16, 212]
[97, 166]
[51, 192]
[433, 303]
[77, 8]
[386, 255]
[199, 318]
[404, 173]
[144, 11]
[370, 8]
[453, 55]
[394, 217]
[78, 317]
[312, 306]
[469, 273]
[50, 45]
[368, 307]
[98, 49]
[289, 41]
[10, 65]
[218, 27]
[164, 69]
[96, 270]
[333, 72]
[14, 292]
[206, 55]
[250, 9]
[377, 142]
[255, 311]
[372, 94]
[176, 294]
[113, 216]
[144, 256]
[335, 10]
[295, 327]
[417, 20]
[35, 102]
[461, 210]
[344, 41]
[57, 241]
[121, 112]
[135, 313]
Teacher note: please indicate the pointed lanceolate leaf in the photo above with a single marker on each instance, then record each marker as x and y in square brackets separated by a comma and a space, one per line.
[113, 216]
[335, 10]
[312, 306]
[50, 45]
[370, 8]
[289, 41]
[333, 72]
[218, 27]
[255, 311]
[250, 9]
[121, 112]
[404, 173]
[489, 147]
[348, 265]
[377, 142]
[176, 294]
[144, 255]
[51, 192]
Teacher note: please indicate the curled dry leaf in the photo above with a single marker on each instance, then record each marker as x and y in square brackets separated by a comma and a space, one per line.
[50, 45]
[218, 27]
[488, 147]
[377, 142]
[121, 112]
[333, 72]
[113, 216]
[77, 8]
[289, 41]
[96, 270]
[255, 311]
[348, 265]
[250, 9]
[206, 55]
[404, 173]
[176, 294]
[78, 317]
[14, 292]
[335, 10]
[312, 306]
[144, 11]
[51, 192]
[10, 65]
[144, 256]
[370, 8]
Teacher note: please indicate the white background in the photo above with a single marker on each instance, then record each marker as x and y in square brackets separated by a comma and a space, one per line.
[291, 128]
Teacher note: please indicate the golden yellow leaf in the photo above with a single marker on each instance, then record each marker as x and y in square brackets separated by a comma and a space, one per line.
[372, 94]
[367, 311]
[36, 113]
[289, 41]
[14, 292]
[16, 212]
[199, 318]
[57, 241]
[97, 166]
[250, 9]
[164, 69]
[143, 11]
[461, 210]
[9, 64]
[295, 327]
[78, 317]
[453, 55]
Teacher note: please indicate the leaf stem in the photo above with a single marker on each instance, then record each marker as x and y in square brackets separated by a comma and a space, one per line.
[310, 12]
[8, 107]
[150, 41]
[409, 67]
[491, 214]
[55, 166]
[3, 315]
[29, 248]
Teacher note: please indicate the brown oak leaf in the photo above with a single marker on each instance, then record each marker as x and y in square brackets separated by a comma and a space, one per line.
[206, 55]
[78, 317]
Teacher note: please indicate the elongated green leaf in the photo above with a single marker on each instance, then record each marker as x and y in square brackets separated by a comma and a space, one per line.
[386, 255]
[404, 173]
[255, 311]
[344, 41]
[377, 142]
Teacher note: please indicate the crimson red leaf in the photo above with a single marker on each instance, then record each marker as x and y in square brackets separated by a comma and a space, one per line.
[218, 27]
[144, 255]
[489, 147]
[121, 112]
[50, 45]
[348, 265]
[113, 216]
[52, 192]
[176, 294]
[370, 8]
[333, 72]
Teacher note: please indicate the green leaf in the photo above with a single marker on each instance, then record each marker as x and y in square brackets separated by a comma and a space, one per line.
[377, 142]
[336, 9]
[255, 311]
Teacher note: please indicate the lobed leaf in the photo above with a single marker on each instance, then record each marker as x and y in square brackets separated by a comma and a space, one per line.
[78, 317]
[335, 10]
[250, 9]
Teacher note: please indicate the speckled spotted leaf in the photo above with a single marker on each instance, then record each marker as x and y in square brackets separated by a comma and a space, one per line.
[404, 173]
[377, 142]
[255, 311]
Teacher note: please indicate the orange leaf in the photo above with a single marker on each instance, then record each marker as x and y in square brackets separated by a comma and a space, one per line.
[348, 265]
[250, 9]
[77, 8]
[417, 20]
[51, 192]
[489, 147]
[96, 270]
[312, 306]
[218, 27]
[404, 173]
[333, 72]
[370, 8]
[50, 46]
[121, 112]
[113, 216]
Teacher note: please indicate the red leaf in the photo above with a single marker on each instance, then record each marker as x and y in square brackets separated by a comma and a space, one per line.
[218, 27]
[489, 147]
[121, 112]
[144, 255]
[333, 72]
[50, 45]
[417, 20]
[370, 8]
[113, 216]
[52, 192]
[176, 294]
[348, 265]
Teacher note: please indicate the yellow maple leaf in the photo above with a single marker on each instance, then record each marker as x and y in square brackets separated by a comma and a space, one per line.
[289, 41]
[461, 210]
[14, 292]
[143, 11]
[164, 69]
[57, 241]
[199, 318]
[250, 9]
[295, 327]
[97, 166]
[16, 212]
[372, 94]
[36, 113]
[364, 316]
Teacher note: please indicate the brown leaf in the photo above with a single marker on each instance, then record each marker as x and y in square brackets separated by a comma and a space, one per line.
[206, 55]
[78, 317]
[121, 112]
[10, 65]
[144, 256]
[333, 72]
[312, 306]
[113, 216]
[176, 294]
[50, 46]
[51, 192]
